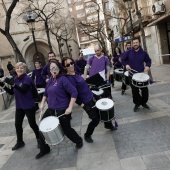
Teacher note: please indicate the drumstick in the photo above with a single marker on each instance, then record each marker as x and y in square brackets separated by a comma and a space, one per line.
[134, 70]
[41, 113]
[61, 115]
[105, 87]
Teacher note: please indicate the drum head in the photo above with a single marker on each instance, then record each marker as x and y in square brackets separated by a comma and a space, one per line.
[48, 124]
[126, 73]
[119, 71]
[98, 93]
[140, 77]
[104, 104]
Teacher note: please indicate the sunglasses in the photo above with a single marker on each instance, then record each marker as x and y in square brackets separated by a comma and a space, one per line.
[54, 68]
[71, 63]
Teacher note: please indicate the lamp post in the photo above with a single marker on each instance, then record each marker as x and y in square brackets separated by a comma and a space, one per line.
[70, 50]
[60, 44]
[128, 4]
[110, 37]
[30, 19]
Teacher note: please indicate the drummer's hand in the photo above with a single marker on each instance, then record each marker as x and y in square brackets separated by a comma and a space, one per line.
[41, 106]
[128, 67]
[146, 69]
[46, 80]
[68, 111]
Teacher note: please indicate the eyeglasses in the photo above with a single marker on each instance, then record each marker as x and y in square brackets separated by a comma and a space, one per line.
[54, 68]
[71, 63]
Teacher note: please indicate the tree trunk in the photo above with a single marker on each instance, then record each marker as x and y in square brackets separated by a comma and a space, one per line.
[48, 36]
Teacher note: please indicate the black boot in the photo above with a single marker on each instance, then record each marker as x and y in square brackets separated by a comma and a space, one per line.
[38, 143]
[18, 145]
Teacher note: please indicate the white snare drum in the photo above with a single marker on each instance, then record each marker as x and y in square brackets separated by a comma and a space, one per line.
[106, 109]
[140, 80]
[51, 130]
[126, 78]
[118, 73]
[98, 93]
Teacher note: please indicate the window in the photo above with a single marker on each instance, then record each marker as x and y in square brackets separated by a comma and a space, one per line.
[69, 1]
[107, 6]
[79, 7]
[91, 10]
[80, 15]
[85, 38]
[70, 9]
[92, 18]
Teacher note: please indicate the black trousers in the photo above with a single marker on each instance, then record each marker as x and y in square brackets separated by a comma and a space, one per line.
[139, 98]
[123, 84]
[19, 117]
[93, 115]
[66, 127]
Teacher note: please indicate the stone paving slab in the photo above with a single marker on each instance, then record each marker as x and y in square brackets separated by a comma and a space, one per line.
[159, 88]
[144, 137]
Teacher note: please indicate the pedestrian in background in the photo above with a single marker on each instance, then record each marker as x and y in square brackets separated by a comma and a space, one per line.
[1, 72]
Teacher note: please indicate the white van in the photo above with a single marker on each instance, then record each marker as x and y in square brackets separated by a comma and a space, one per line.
[88, 53]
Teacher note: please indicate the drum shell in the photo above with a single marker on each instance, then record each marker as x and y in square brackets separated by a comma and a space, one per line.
[111, 78]
[126, 80]
[118, 77]
[106, 115]
[54, 136]
[140, 84]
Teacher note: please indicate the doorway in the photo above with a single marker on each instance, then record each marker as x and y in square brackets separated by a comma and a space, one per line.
[40, 58]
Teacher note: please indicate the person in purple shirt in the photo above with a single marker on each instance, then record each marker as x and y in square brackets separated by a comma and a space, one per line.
[81, 63]
[37, 76]
[21, 87]
[84, 98]
[127, 47]
[61, 96]
[137, 59]
[46, 74]
[38, 79]
[98, 76]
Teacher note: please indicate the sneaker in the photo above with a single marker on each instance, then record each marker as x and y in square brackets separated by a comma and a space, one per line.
[111, 127]
[41, 154]
[79, 145]
[18, 145]
[88, 139]
[136, 108]
[146, 106]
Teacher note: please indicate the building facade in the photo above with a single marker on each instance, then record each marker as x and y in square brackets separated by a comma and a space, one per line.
[23, 36]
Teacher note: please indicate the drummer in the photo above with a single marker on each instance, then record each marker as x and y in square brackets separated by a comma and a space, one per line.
[134, 60]
[99, 66]
[84, 98]
[61, 98]
[38, 79]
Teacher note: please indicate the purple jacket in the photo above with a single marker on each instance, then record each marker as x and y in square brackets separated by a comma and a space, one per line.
[136, 60]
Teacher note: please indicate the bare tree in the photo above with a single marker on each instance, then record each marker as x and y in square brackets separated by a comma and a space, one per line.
[46, 11]
[6, 31]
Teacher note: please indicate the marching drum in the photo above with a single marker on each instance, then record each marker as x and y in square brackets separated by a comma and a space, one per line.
[140, 80]
[40, 93]
[51, 130]
[106, 109]
[118, 73]
[111, 78]
[98, 94]
[126, 78]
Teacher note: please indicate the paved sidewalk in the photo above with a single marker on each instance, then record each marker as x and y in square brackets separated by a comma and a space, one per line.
[142, 141]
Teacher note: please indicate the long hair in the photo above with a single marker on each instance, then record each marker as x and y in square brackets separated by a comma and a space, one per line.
[114, 54]
[65, 59]
[58, 65]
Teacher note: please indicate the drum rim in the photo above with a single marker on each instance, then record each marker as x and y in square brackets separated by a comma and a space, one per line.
[46, 119]
[100, 90]
[105, 99]
[140, 80]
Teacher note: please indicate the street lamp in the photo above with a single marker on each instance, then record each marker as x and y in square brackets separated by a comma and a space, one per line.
[110, 38]
[30, 19]
[128, 4]
[70, 50]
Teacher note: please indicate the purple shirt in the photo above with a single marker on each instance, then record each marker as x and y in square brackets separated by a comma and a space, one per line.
[84, 93]
[98, 64]
[58, 92]
[37, 77]
[46, 71]
[24, 100]
[136, 60]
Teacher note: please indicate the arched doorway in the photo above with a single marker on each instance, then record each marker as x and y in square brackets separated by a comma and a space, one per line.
[40, 57]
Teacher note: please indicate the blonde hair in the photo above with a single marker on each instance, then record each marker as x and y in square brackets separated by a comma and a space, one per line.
[20, 64]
